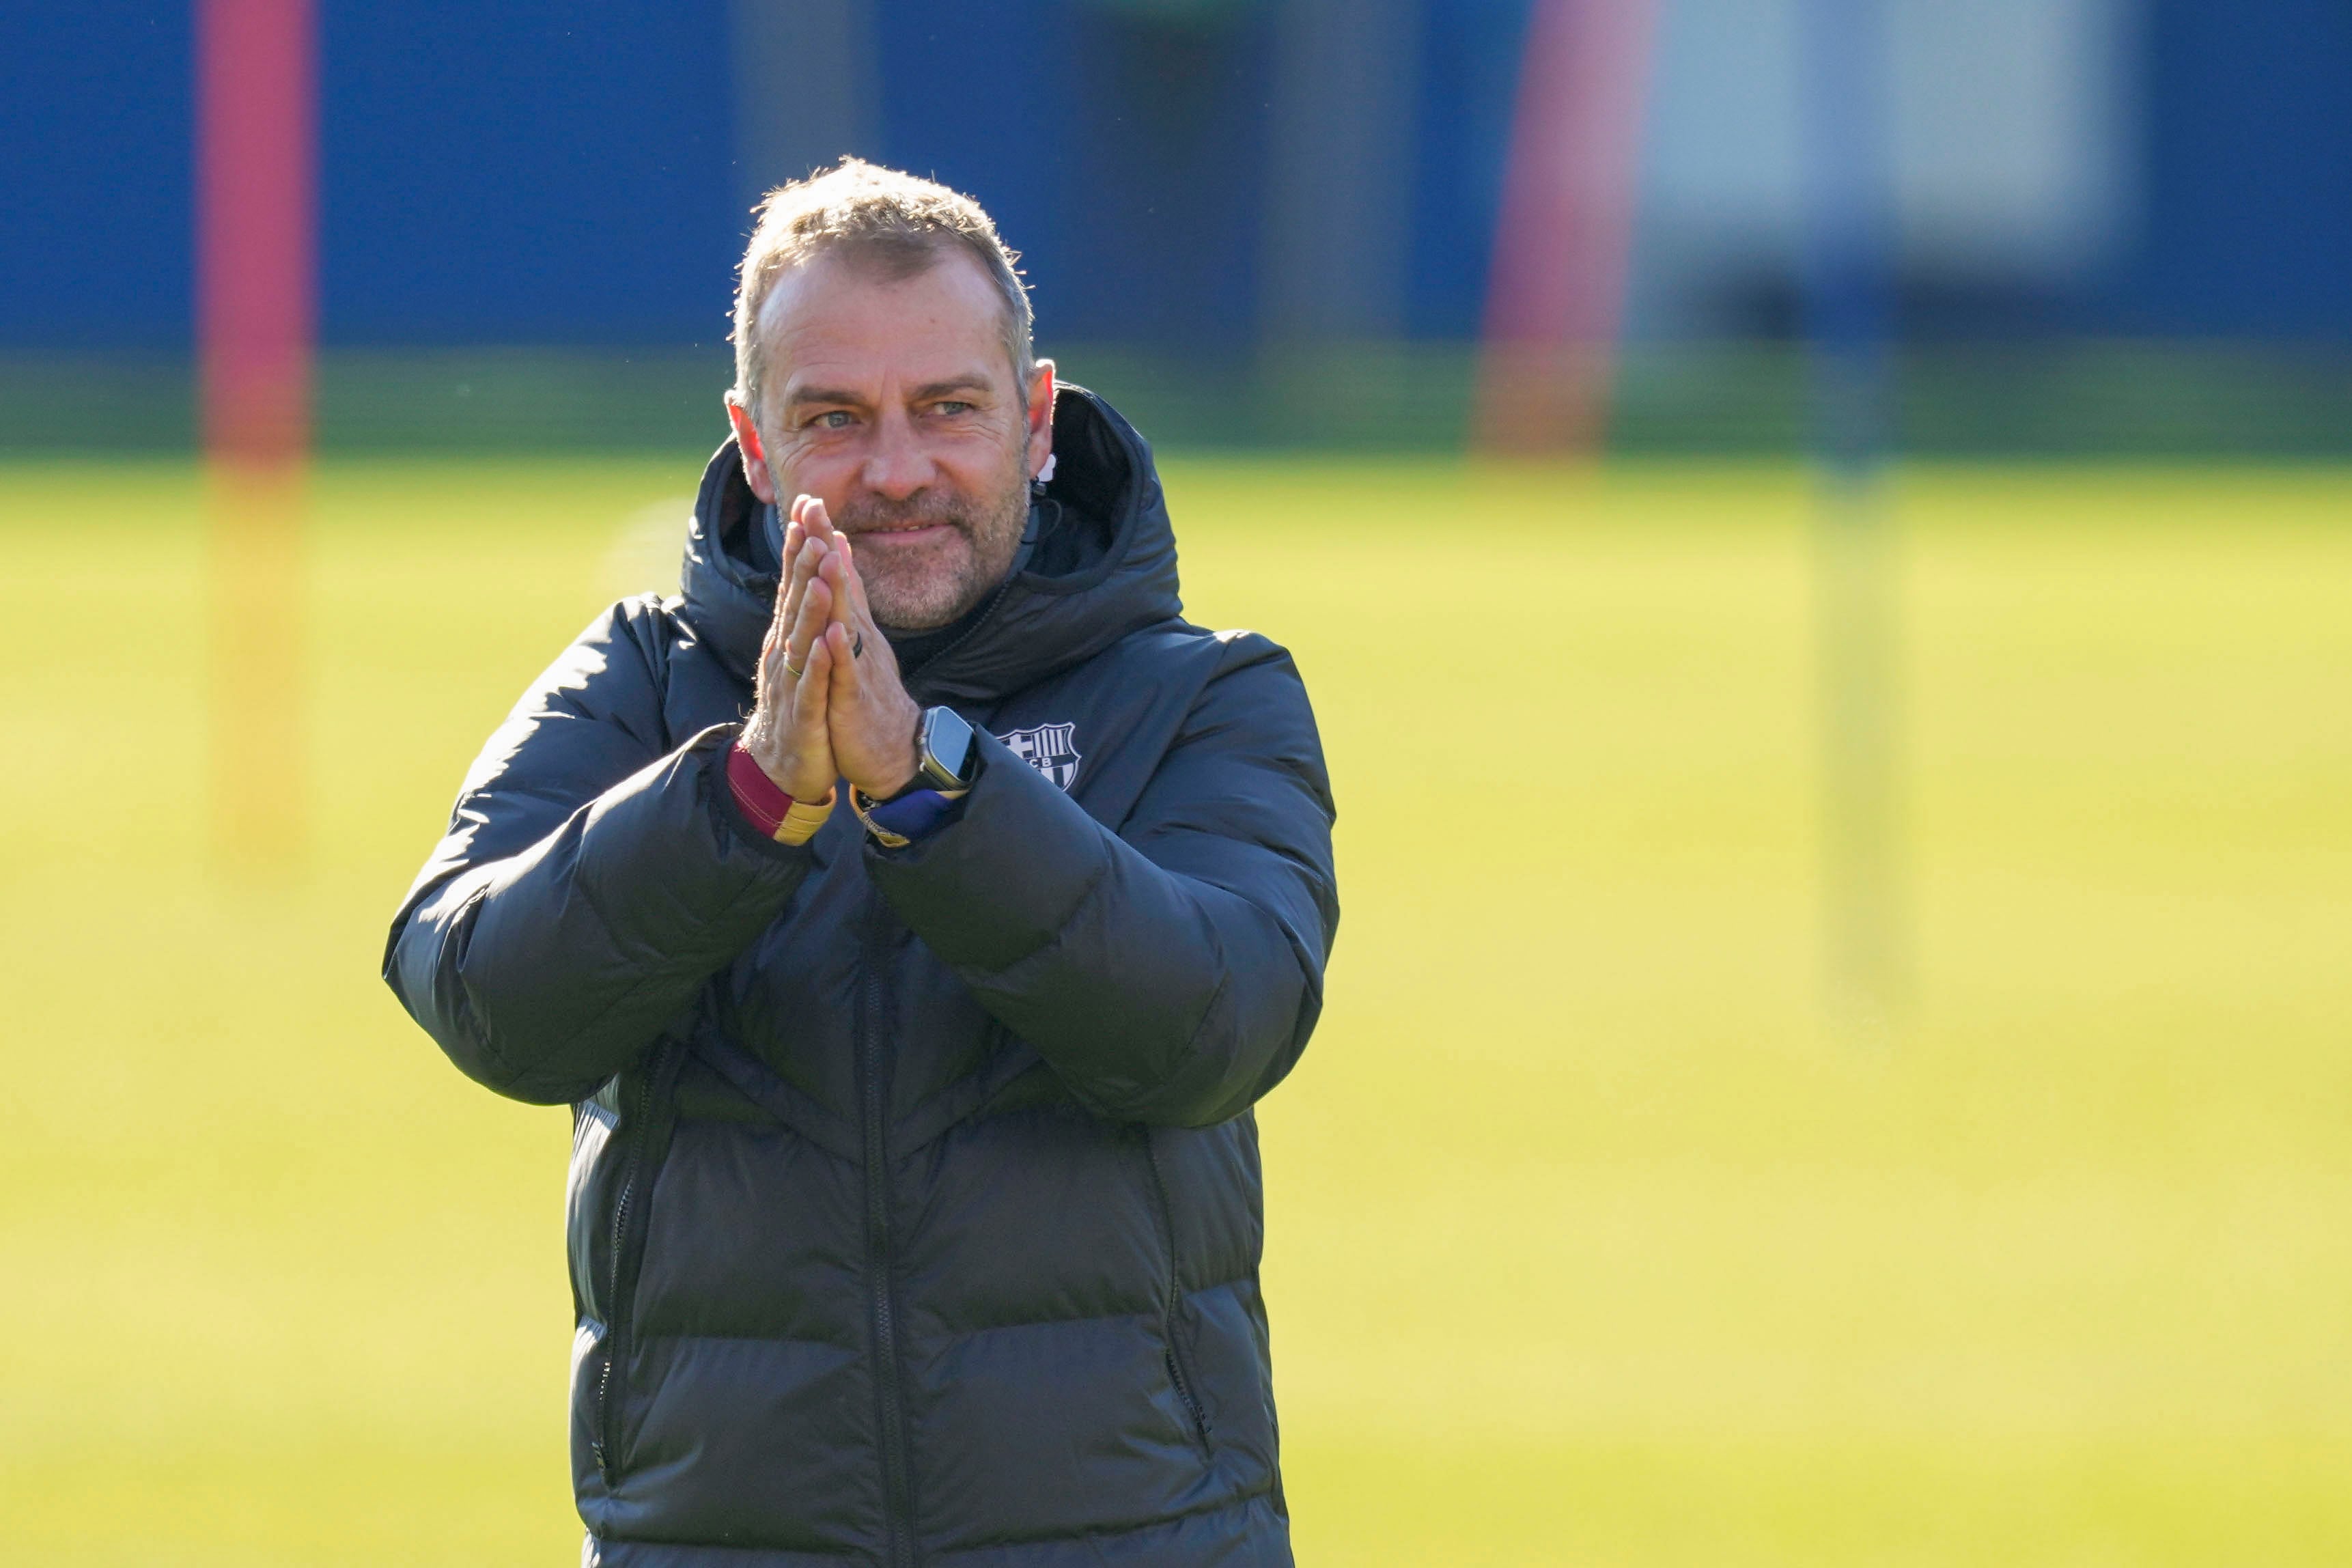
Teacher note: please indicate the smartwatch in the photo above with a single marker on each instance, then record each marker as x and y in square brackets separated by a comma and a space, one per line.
[946, 760]
[945, 756]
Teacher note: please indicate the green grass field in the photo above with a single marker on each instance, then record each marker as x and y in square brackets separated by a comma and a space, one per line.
[1588, 1245]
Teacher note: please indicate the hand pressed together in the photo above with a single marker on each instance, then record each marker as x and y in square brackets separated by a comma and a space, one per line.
[829, 702]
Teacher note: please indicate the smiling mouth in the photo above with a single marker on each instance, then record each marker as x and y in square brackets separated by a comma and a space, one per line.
[901, 529]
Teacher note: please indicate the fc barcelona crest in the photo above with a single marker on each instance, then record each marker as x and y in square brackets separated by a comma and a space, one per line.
[1051, 749]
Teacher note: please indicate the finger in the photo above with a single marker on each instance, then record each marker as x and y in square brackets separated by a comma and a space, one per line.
[779, 612]
[816, 518]
[860, 615]
[836, 571]
[866, 641]
[809, 555]
[774, 647]
[854, 583]
[854, 678]
[811, 698]
[816, 608]
[849, 593]
[840, 642]
[775, 669]
[798, 566]
[805, 567]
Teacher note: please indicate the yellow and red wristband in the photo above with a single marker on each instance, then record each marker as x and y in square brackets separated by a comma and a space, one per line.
[768, 807]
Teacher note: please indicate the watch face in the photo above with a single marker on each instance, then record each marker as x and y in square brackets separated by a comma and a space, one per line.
[947, 740]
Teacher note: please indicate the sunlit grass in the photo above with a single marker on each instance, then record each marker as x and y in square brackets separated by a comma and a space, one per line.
[1587, 1243]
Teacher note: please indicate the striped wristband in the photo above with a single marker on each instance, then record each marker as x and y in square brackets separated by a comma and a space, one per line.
[769, 808]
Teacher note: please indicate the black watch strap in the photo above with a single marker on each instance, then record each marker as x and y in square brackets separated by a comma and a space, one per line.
[947, 751]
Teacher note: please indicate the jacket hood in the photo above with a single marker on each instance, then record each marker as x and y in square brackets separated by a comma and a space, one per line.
[1099, 561]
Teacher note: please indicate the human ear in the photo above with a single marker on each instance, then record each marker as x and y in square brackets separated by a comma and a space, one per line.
[1040, 416]
[755, 458]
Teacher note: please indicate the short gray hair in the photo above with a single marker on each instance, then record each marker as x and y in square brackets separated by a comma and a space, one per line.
[892, 223]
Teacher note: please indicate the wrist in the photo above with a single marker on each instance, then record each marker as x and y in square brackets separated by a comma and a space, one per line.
[792, 775]
[774, 811]
[766, 752]
[904, 775]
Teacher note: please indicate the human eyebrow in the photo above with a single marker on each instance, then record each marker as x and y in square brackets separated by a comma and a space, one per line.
[938, 390]
[830, 396]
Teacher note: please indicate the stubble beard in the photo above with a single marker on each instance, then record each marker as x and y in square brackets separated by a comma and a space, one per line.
[924, 595]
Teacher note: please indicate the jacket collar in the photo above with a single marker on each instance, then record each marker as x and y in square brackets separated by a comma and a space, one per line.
[1102, 564]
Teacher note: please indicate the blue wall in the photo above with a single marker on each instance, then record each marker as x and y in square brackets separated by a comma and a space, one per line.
[94, 99]
[532, 172]
[2247, 127]
[1116, 150]
[543, 172]
[1470, 64]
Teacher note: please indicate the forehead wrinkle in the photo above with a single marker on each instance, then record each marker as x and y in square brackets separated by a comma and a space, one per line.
[844, 265]
[970, 380]
[794, 396]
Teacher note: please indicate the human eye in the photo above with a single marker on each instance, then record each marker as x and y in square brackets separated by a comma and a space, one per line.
[951, 406]
[833, 419]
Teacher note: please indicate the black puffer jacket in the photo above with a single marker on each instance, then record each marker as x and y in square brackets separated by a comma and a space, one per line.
[914, 1204]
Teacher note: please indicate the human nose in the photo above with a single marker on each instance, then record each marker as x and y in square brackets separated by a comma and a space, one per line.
[897, 465]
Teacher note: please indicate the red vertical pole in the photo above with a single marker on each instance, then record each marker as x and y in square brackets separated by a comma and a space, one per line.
[1557, 288]
[255, 322]
[256, 221]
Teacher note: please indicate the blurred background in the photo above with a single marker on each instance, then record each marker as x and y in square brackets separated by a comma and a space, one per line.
[1820, 537]
[2124, 225]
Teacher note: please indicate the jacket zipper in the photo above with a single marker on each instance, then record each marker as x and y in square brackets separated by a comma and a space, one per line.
[617, 1307]
[1180, 1372]
[897, 1510]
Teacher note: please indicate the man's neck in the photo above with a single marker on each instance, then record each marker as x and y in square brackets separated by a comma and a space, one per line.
[915, 649]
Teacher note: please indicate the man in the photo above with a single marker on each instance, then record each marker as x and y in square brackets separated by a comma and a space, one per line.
[913, 909]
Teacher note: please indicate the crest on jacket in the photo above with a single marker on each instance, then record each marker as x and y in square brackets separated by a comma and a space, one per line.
[1051, 749]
